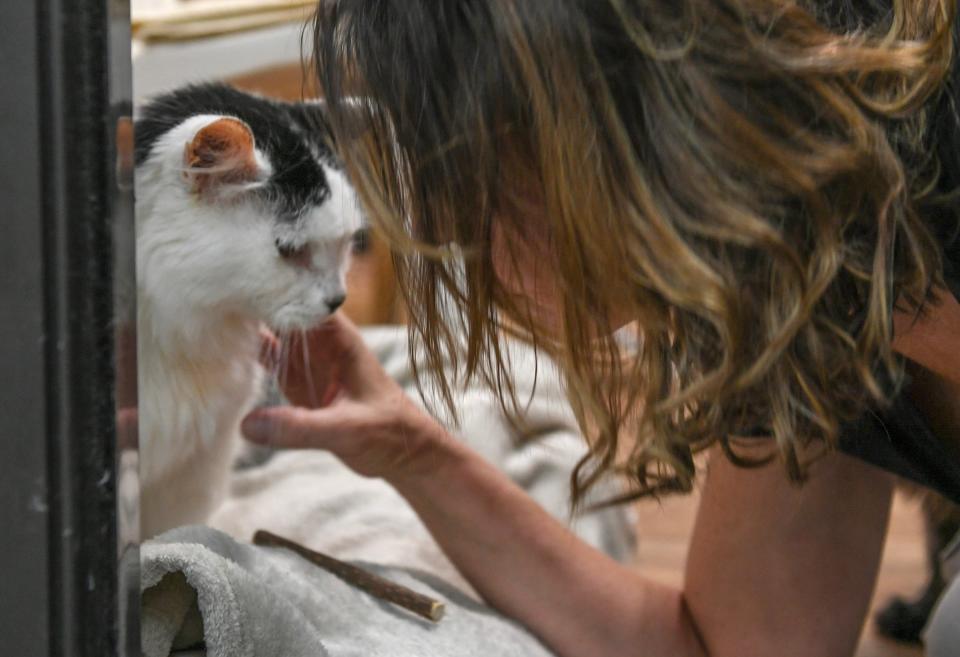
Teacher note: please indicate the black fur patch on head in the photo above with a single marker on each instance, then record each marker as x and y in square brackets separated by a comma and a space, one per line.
[293, 136]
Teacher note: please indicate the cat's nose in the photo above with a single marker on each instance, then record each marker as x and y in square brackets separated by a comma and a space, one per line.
[335, 302]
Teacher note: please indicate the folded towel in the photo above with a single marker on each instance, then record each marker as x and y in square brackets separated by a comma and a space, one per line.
[199, 585]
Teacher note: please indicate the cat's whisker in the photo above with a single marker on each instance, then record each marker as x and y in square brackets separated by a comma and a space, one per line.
[283, 366]
[276, 363]
[307, 372]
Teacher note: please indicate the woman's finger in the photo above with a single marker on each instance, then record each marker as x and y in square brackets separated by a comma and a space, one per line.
[306, 378]
[357, 369]
[270, 350]
[334, 340]
[327, 360]
[296, 428]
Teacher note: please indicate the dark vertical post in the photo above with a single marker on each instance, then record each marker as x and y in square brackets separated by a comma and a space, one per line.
[66, 257]
[24, 479]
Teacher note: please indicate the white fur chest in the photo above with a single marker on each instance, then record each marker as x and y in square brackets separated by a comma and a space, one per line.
[196, 386]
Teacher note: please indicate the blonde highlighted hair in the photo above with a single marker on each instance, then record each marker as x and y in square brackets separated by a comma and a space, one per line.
[752, 180]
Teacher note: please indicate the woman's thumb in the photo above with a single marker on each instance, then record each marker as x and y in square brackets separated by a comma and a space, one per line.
[292, 427]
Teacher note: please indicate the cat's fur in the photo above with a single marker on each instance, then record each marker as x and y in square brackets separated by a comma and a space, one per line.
[244, 218]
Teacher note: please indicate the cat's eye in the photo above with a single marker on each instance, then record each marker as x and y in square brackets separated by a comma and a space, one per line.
[292, 251]
[362, 241]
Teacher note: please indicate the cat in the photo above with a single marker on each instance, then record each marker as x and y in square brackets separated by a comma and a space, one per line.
[244, 218]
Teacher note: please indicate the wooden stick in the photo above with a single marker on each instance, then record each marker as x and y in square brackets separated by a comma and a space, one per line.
[375, 585]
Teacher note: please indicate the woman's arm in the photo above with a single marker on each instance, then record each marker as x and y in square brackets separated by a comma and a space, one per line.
[523, 562]
[779, 569]
[774, 570]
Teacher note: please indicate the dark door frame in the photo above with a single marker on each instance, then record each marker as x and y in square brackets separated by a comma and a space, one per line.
[66, 250]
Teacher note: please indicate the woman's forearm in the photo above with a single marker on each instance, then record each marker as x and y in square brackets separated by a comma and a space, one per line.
[526, 564]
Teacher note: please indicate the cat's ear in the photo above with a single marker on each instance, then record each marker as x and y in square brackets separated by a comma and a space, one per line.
[221, 158]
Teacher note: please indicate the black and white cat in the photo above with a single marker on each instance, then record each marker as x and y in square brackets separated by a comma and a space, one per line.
[244, 218]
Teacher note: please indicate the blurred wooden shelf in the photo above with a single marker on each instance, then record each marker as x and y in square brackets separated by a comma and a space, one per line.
[160, 66]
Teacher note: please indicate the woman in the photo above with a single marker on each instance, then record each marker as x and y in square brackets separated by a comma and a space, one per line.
[759, 190]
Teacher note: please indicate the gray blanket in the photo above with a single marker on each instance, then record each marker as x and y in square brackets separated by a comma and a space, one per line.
[261, 602]
[204, 587]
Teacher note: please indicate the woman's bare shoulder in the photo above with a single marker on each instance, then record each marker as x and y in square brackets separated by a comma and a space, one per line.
[932, 340]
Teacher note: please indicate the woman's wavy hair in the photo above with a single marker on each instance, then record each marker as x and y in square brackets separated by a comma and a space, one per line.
[756, 182]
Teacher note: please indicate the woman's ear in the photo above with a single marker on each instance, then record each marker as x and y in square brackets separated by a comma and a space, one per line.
[221, 158]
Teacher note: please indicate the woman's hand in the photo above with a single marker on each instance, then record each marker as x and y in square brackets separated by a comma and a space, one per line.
[343, 402]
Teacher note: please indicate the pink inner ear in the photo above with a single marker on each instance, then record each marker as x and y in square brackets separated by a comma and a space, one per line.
[221, 152]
